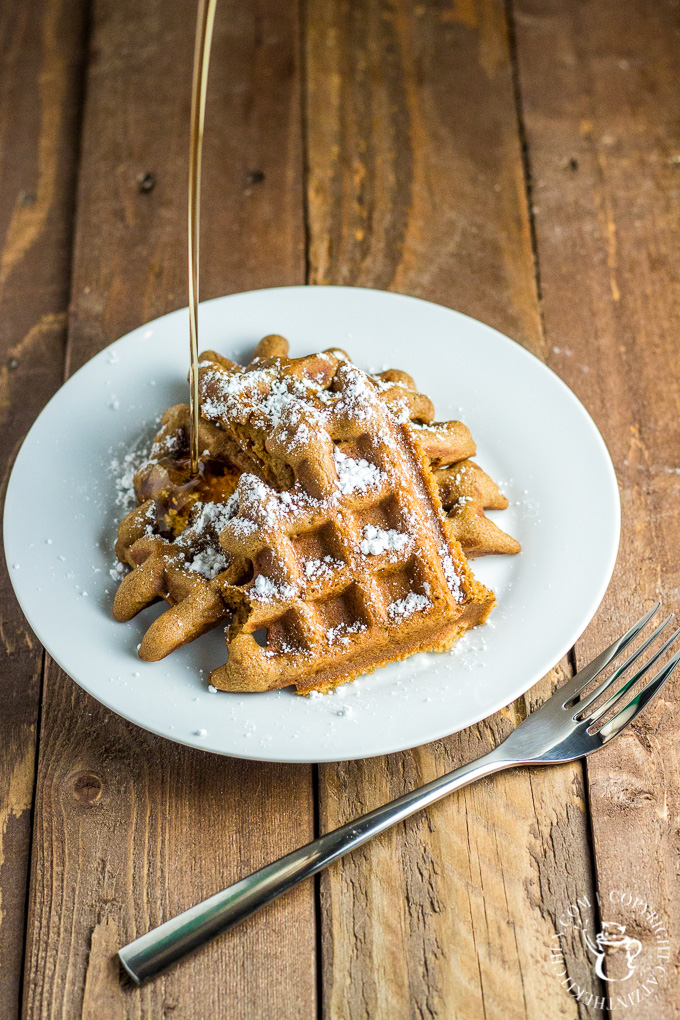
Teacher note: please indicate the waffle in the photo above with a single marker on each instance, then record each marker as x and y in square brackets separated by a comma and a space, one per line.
[465, 490]
[352, 563]
[171, 539]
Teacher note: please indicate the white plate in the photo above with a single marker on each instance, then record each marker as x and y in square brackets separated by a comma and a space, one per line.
[533, 436]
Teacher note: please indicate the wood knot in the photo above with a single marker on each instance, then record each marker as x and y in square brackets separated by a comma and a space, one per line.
[254, 177]
[146, 183]
[87, 788]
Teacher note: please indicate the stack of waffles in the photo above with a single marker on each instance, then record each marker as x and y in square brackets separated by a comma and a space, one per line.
[329, 526]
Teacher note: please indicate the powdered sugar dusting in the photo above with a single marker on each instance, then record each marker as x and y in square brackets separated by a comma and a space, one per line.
[266, 590]
[355, 475]
[401, 410]
[358, 396]
[341, 633]
[283, 394]
[259, 393]
[123, 471]
[376, 541]
[118, 571]
[202, 535]
[209, 563]
[452, 578]
[412, 603]
[315, 569]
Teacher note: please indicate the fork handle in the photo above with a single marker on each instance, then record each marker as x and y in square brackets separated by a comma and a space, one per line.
[165, 945]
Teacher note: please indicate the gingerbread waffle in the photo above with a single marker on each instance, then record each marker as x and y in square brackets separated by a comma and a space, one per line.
[271, 377]
[353, 564]
[171, 539]
[466, 492]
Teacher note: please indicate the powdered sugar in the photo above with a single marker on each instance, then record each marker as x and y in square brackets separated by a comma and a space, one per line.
[358, 397]
[118, 571]
[168, 444]
[209, 520]
[257, 504]
[412, 603]
[283, 394]
[452, 578]
[260, 392]
[316, 569]
[355, 475]
[401, 411]
[208, 562]
[383, 385]
[265, 590]
[302, 434]
[421, 426]
[376, 541]
[341, 633]
[123, 472]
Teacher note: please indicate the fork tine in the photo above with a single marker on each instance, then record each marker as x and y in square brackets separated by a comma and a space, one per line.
[632, 710]
[574, 686]
[581, 706]
[616, 697]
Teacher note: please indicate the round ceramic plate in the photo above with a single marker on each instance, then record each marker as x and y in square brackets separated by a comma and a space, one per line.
[533, 437]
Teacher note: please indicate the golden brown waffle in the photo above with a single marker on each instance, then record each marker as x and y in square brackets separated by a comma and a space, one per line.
[171, 539]
[172, 546]
[466, 492]
[240, 391]
[353, 564]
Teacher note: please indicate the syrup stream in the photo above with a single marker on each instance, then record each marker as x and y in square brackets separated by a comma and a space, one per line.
[204, 30]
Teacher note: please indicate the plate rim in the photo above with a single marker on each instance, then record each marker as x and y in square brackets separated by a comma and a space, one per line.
[584, 617]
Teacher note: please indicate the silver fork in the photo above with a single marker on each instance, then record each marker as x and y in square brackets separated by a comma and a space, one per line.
[560, 730]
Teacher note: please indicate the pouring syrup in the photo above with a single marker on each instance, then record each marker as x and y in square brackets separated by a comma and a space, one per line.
[204, 30]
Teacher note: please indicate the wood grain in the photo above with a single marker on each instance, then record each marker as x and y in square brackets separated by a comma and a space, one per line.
[599, 93]
[415, 169]
[41, 52]
[413, 125]
[130, 829]
[416, 183]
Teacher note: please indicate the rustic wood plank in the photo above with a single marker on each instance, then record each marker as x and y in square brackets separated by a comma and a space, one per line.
[41, 48]
[416, 180]
[129, 828]
[599, 93]
[416, 184]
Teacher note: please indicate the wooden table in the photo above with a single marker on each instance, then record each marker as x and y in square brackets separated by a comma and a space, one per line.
[519, 162]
